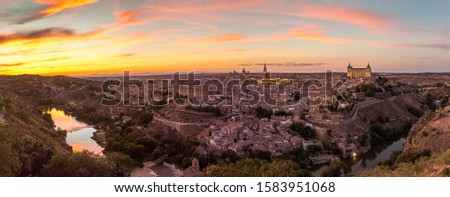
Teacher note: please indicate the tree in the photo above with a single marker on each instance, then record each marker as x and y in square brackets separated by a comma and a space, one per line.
[229, 156]
[306, 132]
[9, 160]
[250, 167]
[136, 151]
[123, 164]
[297, 155]
[10, 163]
[334, 169]
[263, 113]
[82, 164]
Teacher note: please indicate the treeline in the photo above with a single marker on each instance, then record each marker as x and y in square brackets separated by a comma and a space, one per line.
[368, 89]
[258, 168]
[304, 131]
[256, 163]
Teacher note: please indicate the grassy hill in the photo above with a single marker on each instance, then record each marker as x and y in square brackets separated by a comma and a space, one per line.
[27, 137]
[413, 164]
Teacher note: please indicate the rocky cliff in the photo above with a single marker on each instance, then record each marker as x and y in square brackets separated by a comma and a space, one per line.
[431, 132]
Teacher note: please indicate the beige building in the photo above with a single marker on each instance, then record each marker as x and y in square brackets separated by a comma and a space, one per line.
[359, 72]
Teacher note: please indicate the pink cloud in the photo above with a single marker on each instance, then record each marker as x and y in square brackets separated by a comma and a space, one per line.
[53, 7]
[223, 38]
[129, 16]
[360, 17]
[213, 6]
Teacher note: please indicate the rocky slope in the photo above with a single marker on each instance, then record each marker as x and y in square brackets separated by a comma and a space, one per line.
[431, 132]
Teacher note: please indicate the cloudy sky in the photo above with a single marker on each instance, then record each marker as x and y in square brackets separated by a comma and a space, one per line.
[88, 37]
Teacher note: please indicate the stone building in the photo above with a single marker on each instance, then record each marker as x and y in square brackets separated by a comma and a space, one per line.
[359, 72]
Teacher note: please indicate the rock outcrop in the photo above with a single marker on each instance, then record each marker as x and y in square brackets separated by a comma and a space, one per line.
[431, 132]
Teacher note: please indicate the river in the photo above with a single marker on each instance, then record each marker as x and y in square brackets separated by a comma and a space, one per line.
[367, 160]
[79, 134]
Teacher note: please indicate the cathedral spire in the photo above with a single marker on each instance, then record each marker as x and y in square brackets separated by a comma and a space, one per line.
[265, 67]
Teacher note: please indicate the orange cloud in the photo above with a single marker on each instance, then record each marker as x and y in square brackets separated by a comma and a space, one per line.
[308, 35]
[129, 16]
[315, 35]
[56, 6]
[223, 38]
[299, 33]
[360, 17]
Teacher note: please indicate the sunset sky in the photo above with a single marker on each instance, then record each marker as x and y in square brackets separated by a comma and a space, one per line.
[97, 37]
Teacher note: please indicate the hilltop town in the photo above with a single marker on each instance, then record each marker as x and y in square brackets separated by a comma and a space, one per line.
[334, 116]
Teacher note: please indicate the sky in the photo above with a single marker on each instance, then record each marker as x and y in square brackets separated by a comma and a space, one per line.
[99, 37]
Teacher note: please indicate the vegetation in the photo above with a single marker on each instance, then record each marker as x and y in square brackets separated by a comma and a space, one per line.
[304, 131]
[10, 163]
[89, 115]
[83, 164]
[412, 164]
[381, 81]
[297, 155]
[139, 147]
[430, 102]
[440, 85]
[297, 96]
[380, 134]
[416, 112]
[142, 118]
[263, 113]
[282, 113]
[368, 89]
[256, 168]
[335, 169]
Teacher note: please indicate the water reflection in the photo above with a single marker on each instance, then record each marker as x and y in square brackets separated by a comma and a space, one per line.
[372, 158]
[367, 160]
[79, 134]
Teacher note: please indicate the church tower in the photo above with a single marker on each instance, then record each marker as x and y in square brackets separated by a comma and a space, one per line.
[266, 74]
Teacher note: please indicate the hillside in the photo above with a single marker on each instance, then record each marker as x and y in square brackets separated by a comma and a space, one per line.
[27, 137]
[29, 143]
[413, 165]
[383, 120]
[431, 132]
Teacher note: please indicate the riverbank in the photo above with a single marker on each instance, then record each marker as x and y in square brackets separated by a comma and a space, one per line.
[367, 160]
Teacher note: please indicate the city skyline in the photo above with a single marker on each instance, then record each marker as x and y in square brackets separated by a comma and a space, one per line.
[93, 37]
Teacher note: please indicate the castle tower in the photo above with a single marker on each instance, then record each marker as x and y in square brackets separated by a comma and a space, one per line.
[349, 70]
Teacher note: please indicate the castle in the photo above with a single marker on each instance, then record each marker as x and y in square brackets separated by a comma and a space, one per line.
[359, 72]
